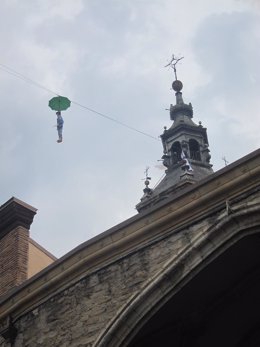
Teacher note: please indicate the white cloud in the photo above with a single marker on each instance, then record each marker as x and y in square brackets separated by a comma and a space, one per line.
[46, 11]
[110, 56]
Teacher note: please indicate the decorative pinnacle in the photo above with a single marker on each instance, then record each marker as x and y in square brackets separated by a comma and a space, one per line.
[147, 179]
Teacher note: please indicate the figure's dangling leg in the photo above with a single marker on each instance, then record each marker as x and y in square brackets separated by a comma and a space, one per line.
[60, 135]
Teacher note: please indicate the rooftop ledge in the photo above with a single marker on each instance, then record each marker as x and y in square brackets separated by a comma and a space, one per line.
[195, 202]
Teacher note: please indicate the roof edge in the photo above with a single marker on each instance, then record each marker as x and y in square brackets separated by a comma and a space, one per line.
[202, 198]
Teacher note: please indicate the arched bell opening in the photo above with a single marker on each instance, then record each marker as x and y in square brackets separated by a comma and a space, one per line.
[176, 152]
[194, 150]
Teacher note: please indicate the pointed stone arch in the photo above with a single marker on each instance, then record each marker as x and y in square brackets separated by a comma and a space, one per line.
[178, 272]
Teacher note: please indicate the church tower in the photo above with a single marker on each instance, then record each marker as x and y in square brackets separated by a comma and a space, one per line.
[185, 151]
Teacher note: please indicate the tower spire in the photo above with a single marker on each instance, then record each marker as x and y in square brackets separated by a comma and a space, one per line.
[185, 149]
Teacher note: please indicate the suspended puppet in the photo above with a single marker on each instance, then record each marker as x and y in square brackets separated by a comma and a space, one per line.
[59, 103]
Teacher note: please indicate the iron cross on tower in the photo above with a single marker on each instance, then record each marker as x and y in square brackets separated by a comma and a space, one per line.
[172, 64]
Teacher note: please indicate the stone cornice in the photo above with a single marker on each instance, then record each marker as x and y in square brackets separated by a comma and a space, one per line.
[15, 213]
[185, 128]
[171, 215]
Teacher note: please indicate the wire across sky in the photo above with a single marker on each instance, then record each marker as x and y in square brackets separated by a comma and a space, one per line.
[24, 78]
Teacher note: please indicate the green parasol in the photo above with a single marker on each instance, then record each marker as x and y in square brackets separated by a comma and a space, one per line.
[59, 103]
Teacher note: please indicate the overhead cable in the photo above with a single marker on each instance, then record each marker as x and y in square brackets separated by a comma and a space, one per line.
[38, 85]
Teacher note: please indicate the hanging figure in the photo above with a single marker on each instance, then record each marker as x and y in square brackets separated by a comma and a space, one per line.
[60, 122]
[59, 103]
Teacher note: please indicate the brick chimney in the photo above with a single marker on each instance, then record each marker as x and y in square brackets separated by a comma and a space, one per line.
[15, 220]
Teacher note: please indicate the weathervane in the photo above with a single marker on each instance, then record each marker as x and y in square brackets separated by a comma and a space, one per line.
[225, 160]
[147, 179]
[172, 64]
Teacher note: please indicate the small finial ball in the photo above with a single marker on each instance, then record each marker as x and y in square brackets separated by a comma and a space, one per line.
[177, 85]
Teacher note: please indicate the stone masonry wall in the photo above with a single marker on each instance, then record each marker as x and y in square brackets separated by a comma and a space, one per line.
[78, 315]
[13, 259]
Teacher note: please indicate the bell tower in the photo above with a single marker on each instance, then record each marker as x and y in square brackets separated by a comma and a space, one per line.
[186, 154]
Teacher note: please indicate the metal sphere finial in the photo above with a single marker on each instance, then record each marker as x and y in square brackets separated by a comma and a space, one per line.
[177, 85]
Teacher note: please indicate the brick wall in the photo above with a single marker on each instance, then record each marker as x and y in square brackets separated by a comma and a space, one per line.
[15, 221]
[13, 259]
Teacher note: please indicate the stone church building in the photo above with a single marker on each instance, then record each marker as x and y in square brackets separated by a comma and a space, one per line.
[184, 271]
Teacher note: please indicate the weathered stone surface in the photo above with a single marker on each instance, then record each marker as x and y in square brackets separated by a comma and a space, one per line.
[76, 316]
[118, 289]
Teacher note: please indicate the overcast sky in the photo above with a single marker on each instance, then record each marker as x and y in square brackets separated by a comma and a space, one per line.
[109, 55]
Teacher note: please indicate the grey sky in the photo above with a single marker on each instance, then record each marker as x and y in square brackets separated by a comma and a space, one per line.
[109, 55]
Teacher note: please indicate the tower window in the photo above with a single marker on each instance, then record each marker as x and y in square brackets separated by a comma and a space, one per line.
[194, 150]
[176, 152]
